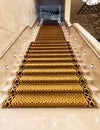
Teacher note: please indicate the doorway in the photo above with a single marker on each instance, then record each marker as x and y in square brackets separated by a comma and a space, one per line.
[51, 10]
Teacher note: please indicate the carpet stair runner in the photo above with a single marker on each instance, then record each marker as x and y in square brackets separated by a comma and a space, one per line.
[49, 75]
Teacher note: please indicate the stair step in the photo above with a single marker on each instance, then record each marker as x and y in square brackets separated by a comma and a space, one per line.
[2, 98]
[97, 99]
[49, 65]
[52, 70]
[48, 55]
[47, 100]
[82, 66]
[55, 39]
[50, 45]
[85, 71]
[11, 79]
[49, 79]
[31, 88]
[49, 51]
[51, 41]
[13, 73]
[49, 48]
[45, 71]
[94, 89]
[89, 79]
[48, 60]
[6, 89]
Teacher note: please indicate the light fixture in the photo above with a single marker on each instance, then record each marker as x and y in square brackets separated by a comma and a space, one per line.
[24, 40]
[7, 67]
[91, 2]
[20, 46]
[84, 53]
[14, 54]
[79, 46]
[92, 66]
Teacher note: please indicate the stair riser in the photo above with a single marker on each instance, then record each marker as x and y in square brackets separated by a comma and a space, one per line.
[47, 82]
[59, 48]
[50, 43]
[48, 61]
[46, 56]
[50, 67]
[48, 52]
[52, 73]
[51, 55]
[50, 38]
[46, 45]
[48, 91]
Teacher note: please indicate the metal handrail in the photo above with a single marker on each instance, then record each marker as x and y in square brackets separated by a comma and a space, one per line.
[14, 40]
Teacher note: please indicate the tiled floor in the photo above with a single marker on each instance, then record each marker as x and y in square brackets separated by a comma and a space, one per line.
[50, 119]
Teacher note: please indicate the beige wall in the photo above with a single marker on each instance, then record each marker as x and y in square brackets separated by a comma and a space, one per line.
[67, 11]
[15, 15]
[71, 8]
[14, 56]
[76, 6]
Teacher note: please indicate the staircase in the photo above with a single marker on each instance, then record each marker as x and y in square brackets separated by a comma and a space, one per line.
[50, 75]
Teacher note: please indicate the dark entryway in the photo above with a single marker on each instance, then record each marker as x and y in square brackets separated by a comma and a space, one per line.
[51, 10]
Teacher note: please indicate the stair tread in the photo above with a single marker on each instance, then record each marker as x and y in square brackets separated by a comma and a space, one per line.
[49, 65]
[50, 47]
[52, 58]
[48, 52]
[48, 55]
[49, 41]
[69, 79]
[49, 70]
[56, 50]
[48, 60]
[49, 100]
[49, 88]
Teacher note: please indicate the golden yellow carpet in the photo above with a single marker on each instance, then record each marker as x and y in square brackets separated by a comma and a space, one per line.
[49, 75]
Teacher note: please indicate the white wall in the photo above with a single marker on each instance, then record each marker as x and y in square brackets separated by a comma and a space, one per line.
[15, 15]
